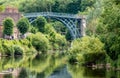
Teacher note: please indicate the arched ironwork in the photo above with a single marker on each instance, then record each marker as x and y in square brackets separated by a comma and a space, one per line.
[76, 24]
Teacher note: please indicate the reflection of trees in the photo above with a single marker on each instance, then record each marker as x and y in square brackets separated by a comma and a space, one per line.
[56, 62]
[6, 61]
[39, 66]
[18, 58]
[10, 62]
[8, 76]
[112, 74]
[44, 65]
[41, 75]
[83, 72]
[39, 63]
[94, 73]
[76, 71]
[23, 74]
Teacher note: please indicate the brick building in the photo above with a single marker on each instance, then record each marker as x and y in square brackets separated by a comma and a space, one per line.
[14, 14]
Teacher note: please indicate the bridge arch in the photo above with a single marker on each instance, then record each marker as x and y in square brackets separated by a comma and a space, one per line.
[72, 22]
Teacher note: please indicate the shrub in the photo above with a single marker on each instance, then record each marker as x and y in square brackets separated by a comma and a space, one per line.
[39, 42]
[8, 49]
[56, 40]
[24, 42]
[33, 30]
[18, 50]
[87, 49]
[40, 23]
[23, 25]
[15, 47]
[60, 40]
[8, 26]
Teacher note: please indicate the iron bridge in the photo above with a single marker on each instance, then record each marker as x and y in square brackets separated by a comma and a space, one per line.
[76, 24]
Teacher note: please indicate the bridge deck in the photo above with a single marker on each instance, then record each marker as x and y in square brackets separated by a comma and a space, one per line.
[53, 14]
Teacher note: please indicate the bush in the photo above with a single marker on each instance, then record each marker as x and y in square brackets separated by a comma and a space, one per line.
[39, 42]
[60, 40]
[25, 42]
[57, 40]
[87, 49]
[15, 47]
[8, 26]
[7, 49]
[33, 30]
[23, 25]
[40, 23]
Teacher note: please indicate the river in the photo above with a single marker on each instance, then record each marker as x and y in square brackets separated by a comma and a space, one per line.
[48, 66]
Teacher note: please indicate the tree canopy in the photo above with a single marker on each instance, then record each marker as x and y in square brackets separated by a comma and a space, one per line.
[8, 26]
[40, 23]
[23, 25]
[66, 6]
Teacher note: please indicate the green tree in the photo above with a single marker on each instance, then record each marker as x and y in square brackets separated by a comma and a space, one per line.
[93, 17]
[68, 36]
[39, 42]
[59, 27]
[56, 40]
[74, 6]
[86, 49]
[85, 4]
[23, 25]
[33, 29]
[110, 19]
[8, 26]
[40, 23]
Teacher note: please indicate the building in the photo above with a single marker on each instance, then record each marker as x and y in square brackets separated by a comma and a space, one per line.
[14, 14]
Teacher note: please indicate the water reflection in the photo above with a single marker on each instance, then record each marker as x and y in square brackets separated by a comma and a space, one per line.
[48, 66]
[8, 76]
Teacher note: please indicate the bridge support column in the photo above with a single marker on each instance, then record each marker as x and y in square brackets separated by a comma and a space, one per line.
[83, 26]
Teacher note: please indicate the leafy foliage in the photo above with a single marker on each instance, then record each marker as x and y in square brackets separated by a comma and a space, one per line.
[39, 41]
[40, 23]
[87, 49]
[23, 25]
[15, 47]
[59, 27]
[7, 48]
[71, 6]
[8, 26]
[56, 40]
[110, 19]
[33, 30]
[68, 36]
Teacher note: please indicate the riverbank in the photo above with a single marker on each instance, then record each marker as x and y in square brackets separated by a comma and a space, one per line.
[34, 43]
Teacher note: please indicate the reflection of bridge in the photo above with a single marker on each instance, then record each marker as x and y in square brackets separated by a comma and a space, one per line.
[76, 24]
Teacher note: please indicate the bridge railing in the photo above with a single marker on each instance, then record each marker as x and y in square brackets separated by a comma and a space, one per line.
[52, 14]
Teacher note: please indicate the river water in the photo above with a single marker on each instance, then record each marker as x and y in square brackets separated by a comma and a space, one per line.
[48, 66]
